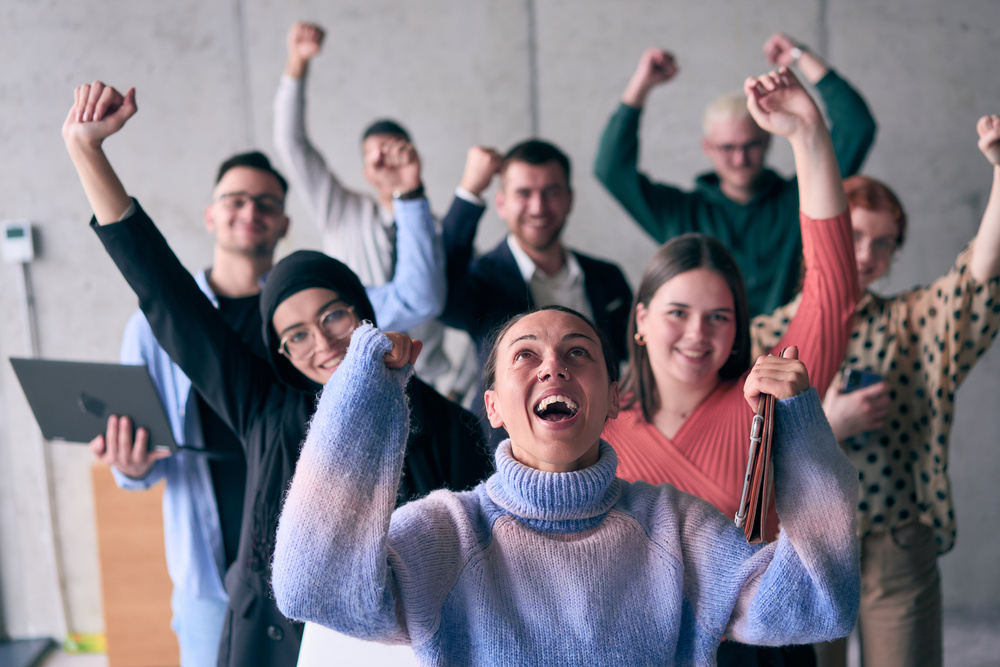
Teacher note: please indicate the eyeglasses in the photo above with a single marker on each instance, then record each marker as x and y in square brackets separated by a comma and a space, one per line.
[729, 149]
[266, 204]
[300, 344]
[881, 246]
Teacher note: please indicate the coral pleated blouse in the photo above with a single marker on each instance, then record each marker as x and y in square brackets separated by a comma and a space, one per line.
[707, 457]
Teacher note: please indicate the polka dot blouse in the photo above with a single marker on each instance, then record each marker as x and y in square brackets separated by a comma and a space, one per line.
[923, 342]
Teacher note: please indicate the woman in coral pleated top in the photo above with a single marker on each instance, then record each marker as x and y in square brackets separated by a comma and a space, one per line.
[684, 420]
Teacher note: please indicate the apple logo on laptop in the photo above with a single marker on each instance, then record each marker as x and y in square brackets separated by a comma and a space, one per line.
[91, 405]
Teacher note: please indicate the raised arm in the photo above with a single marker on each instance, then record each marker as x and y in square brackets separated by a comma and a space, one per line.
[328, 201]
[852, 126]
[784, 51]
[417, 290]
[985, 263]
[655, 68]
[341, 497]
[830, 290]
[98, 111]
[231, 378]
[781, 106]
[458, 233]
[662, 210]
[804, 587]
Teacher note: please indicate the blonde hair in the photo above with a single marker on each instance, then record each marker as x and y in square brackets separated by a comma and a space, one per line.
[730, 106]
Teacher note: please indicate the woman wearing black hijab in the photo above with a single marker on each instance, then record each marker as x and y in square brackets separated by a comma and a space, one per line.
[309, 305]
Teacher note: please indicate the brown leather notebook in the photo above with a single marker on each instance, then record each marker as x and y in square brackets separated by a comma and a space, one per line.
[759, 483]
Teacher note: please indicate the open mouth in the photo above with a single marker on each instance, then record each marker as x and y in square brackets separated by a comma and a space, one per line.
[556, 408]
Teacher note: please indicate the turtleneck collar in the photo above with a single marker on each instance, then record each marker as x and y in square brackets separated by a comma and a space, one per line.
[555, 502]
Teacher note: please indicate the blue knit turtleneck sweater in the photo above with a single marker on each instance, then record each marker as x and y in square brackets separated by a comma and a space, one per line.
[533, 567]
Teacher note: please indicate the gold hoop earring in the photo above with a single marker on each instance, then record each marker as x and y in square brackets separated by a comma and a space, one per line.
[640, 340]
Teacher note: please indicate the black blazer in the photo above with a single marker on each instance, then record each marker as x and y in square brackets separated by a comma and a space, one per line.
[484, 292]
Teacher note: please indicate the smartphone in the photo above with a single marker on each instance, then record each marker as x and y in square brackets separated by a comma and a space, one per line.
[855, 379]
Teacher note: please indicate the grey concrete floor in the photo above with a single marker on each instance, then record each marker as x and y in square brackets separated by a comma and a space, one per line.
[971, 639]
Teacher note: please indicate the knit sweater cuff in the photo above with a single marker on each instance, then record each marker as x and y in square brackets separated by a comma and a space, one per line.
[797, 416]
[362, 391]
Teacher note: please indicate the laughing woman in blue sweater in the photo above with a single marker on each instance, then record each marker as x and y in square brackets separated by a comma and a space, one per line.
[555, 560]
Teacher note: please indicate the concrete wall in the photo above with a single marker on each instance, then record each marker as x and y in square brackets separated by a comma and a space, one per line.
[457, 73]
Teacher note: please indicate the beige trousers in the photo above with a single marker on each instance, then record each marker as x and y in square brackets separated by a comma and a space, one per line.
[900, 619]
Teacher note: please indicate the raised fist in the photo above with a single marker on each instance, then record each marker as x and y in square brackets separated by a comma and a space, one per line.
[98, 111]
[779, 103]
[481, 165]
[393, 165]
[304, 41]
[989, 137]
[404, 350]
[779, 49]
[656, 66]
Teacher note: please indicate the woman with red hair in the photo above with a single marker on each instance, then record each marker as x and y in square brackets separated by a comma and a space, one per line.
[922, 343]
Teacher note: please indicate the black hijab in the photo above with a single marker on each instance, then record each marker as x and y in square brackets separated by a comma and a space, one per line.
[298, 271]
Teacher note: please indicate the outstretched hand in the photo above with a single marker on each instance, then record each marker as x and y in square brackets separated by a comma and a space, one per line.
[98, 111]
[481, 165]
[782, 377]
[779, 103]
[656, 67]
[989, 138]
[130, 455]
[404, 350]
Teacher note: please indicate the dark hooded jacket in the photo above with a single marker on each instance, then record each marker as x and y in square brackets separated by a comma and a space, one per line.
[268, 404]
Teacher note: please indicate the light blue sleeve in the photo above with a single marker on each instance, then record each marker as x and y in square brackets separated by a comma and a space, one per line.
[805, 586]
[331, 554]
[417, 291]
[137, 349]
[810, 590]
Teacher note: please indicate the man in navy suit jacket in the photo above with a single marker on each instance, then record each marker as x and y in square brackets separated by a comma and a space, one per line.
[531, 268]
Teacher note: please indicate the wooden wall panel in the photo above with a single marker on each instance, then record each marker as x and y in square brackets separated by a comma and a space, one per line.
[134, 581]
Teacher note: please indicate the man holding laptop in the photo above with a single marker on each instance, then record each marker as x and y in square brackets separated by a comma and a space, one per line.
[203, 499]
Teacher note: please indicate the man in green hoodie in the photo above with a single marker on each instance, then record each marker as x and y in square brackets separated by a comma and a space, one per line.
[750, 208]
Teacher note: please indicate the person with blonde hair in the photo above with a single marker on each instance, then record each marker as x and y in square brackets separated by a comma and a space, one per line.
[689, 336]
[751, 209]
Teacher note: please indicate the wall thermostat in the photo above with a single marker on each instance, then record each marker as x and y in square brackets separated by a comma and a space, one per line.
[18, 244]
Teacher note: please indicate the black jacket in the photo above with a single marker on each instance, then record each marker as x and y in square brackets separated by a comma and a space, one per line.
[486, 291]
[444, 449]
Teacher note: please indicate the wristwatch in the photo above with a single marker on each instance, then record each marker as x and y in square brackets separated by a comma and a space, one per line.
[415, 193]
[796, 53]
